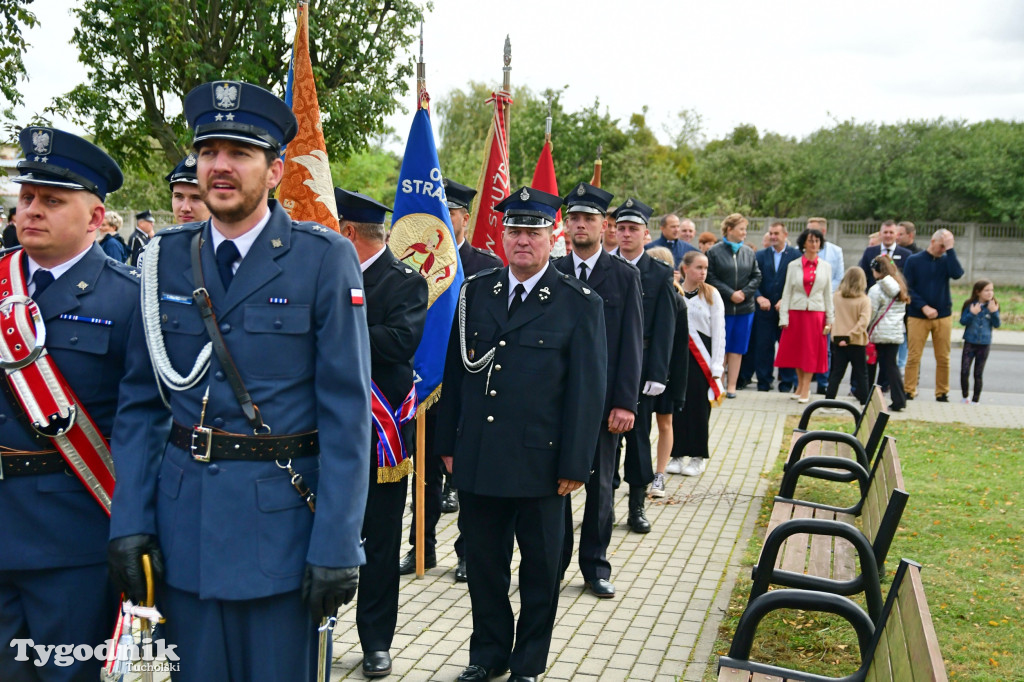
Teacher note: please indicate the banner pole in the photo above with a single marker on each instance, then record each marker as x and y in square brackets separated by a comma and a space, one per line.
[420, 483]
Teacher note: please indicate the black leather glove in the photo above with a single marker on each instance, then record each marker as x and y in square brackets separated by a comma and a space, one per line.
[325, 590]
[124, 556]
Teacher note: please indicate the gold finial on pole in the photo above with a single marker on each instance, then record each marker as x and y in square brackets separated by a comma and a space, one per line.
[506, 83]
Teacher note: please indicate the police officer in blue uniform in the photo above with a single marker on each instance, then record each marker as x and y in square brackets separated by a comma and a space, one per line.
[54, 587]
[618, 284]
[524, 379]
[186, 203]
[269, 397]
[659, 330]
[396, 312]
[437, 499]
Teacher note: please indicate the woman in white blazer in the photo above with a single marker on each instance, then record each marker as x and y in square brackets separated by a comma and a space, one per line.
[806, 314]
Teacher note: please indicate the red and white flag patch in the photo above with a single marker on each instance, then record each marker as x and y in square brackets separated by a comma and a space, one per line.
[357, 296]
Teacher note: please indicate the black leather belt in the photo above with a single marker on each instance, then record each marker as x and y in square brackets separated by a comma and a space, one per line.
[32, 464]
[205, 445]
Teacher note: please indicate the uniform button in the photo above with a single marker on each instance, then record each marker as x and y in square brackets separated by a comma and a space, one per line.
[163, 318]
[225, 327]
[551, 442]
[3, 418]
[175, 324]
[278, 324]
[219, 376]
[213, 469]
[493, 393]
[497, 368]
[501, 343]
[490, 419]
[218, 422]
[540, 342]
[73, 340]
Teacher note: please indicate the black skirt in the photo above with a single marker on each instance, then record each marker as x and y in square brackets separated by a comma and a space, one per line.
[690, 425]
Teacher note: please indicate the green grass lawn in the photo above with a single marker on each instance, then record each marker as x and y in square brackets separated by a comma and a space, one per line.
[963, 523]
[1011, 305]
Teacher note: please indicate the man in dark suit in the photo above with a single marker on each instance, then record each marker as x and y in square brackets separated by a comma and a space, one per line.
[887, 246]
[618, 284]
[54, 522]
[772, 261]
[145, 226]
[396, 311]
[437, 499]
[216, 485]
[672, 237]
[659, 330]
[524, 379]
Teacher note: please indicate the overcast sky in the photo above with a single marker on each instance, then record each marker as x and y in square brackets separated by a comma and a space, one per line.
[790, 67]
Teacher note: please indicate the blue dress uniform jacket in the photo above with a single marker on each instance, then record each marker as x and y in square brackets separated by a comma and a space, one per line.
[618, 283]
[294, 322]
[50, 520]
[533, 418]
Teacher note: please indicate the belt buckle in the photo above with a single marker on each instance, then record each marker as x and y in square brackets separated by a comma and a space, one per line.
[201, 453]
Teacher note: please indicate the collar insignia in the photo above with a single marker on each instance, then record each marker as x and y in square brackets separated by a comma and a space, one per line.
[497, 287]
[544, 293]
[276, 243]
[82, 285]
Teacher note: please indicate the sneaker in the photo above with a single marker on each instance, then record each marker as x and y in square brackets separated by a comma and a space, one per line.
[694, 467]
[965, 401]
[658, 486]
[675, 466]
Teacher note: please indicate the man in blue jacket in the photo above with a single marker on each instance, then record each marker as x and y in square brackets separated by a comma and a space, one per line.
[258, 335]
[773, 261]
[930, 310]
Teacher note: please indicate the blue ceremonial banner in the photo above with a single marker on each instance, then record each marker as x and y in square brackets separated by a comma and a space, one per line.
[422, 238]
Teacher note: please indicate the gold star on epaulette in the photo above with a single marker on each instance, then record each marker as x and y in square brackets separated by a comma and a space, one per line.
[82, 285]
[276, 243]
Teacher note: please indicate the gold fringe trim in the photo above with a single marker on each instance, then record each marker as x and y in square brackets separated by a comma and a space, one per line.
[396, 473]
[429, 401]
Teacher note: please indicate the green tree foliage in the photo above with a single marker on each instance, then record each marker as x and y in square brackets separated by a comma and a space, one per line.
[16, 18]
[374, 172]
[143, 57]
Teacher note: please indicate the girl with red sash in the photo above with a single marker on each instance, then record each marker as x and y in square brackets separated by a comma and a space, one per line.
[706, 316]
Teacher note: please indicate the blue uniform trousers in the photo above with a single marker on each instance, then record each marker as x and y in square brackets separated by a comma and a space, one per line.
[253, 640]
[72, 605]
[767, 333]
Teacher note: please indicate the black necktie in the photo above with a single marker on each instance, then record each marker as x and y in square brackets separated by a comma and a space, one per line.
[583, 272]
[227, 254]
[42, 279]
[518, 294]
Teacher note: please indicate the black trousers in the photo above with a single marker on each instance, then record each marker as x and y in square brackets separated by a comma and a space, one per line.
[887, 353]
[377, 600]
[596, 529]
[856, 357]
[638, 467]
[490, 526]
[978, 354]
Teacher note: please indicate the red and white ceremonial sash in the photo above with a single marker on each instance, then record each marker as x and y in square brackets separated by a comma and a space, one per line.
[52, 407]
[703, 358]
[393, 462]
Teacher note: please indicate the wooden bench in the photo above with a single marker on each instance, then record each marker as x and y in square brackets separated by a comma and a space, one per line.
[899, 646]
[817, 546]
[861, 446]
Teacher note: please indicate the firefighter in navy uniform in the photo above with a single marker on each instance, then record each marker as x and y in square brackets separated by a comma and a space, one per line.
[54, 587]
[618, 284]
[659, 331]
[261, 350]
[437, 499]
[524, 381]
[396, 311]
[144, 230]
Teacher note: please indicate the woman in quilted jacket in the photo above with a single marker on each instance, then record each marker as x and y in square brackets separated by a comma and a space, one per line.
[889, 300]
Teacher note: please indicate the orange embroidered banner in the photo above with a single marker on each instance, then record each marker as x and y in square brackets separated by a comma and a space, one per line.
[306, 191]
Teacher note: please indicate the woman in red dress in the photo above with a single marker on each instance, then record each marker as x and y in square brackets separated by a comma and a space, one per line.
[806, 314]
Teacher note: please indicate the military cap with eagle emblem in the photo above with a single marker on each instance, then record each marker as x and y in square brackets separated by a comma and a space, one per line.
[59, 159]
[529, 207]
[185, 172]
[359, 208]
[586, 198]
[231, 110]
[633, 211]
[459, 196]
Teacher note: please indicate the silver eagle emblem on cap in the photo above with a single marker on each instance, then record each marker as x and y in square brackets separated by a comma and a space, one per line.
[225, 95]
[41, 140]
[524, 195]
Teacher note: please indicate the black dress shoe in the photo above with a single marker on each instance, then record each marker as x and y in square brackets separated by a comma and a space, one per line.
[522, 678]
[478, 673]
[376, 664]
[944, 398]
[449, 499]
[408, 563]
[460, 571]
[601, 588]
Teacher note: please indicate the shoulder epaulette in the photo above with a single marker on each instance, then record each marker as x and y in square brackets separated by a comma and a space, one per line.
[482, 273]
[579, 286]
[403, 268]
[184, 227]
[661, 263]
[314, 228]
[125, 270]
[623, 261]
